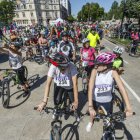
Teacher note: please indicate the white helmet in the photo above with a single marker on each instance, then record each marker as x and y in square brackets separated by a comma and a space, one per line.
[85, 40]
[42, 33]
[118, 50]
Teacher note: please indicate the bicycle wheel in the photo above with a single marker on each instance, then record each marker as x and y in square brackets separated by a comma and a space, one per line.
[108, 136]
[119, 102]
[69, 132]
[25, 72]
[55, 134]
[5, 94]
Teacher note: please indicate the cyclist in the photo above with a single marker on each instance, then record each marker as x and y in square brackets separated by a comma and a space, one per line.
[135, 38]
[100, 87]
[15, 61]
[67, 47]
[64, 74]
[93, 37]
[43, 45]
[87, 56]
[118, 61]
[53, 49]
[29, 50]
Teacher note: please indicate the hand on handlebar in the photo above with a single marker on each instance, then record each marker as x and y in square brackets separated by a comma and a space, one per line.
[92, 113]
[40, 107]
[74, 105]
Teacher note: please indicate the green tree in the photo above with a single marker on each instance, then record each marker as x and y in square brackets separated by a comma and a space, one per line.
[7, 13]
[71, 18]
[90, 12]
[113, 12]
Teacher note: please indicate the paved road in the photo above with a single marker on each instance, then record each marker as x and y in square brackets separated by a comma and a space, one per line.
[21, 122]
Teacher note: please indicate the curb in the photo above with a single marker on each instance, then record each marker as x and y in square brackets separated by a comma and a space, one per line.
[115, 42]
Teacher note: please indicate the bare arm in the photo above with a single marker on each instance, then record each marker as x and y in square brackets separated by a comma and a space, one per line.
[91, 86]
[47, 89]
[122, 90]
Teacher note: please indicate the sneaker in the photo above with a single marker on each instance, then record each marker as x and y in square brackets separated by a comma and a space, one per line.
[88, 127]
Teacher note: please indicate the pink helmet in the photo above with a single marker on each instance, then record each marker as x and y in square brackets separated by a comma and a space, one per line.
[105, 58]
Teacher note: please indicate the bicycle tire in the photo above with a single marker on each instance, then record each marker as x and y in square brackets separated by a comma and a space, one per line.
[73, 129]
[25, 72]
[5, 94]
[119, 102]
[56, 136]
[108, 137]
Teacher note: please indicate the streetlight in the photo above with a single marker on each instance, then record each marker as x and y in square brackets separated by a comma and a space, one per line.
[123, 14]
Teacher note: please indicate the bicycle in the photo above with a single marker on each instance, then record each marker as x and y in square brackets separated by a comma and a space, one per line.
[56, 124]
[109, 122]
[9, 76]
[133, 49]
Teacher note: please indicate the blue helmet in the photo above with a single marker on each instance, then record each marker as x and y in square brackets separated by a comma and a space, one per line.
[52, 44]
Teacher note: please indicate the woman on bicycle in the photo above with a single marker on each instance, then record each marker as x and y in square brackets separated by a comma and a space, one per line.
[15, 61]
[87, 56]
[64, 74]
[100, 87]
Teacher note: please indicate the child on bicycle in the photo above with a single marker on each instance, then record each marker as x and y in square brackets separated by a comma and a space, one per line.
[15, 61]
[118, 63]
[100, 87]
[87, 54]
[64, 74]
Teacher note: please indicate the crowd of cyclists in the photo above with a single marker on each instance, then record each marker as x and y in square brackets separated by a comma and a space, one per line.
[60, 46]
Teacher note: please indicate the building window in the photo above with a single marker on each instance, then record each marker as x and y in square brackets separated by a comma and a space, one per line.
[30, 6]
[23, 14]
[24, 6]
[54, 7]
[32, 14]
[17, 15]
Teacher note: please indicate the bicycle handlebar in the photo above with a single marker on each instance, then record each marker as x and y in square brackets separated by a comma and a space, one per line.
[118, 116]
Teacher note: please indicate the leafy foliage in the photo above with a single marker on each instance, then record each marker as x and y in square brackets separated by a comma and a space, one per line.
[90, 12]
[7, 13]
[71, 18]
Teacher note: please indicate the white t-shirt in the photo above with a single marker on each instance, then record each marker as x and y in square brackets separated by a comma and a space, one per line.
[63, 79]
[15, 60]
[102, 91]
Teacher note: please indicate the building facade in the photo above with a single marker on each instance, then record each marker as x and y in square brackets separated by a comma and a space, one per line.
[67, 5]
[29, 12]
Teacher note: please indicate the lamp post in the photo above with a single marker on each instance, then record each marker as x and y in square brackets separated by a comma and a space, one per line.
[124, 8]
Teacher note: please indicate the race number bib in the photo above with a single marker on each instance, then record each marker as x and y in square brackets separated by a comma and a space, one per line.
[103, 90]
[62, 81]
[85, 63]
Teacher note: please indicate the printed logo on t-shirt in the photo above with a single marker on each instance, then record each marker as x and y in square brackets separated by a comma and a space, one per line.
[62, 81]
[65, 48]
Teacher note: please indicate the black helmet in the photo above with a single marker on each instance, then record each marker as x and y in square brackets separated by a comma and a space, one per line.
[65, 34]
[18, 45]
[59, 60]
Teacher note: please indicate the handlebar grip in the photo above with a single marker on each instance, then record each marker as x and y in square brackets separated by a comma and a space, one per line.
[35, 108]
[134, 113]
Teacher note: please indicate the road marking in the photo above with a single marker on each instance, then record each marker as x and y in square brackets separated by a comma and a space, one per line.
[110, 49]
[125, 62]
[131, 90]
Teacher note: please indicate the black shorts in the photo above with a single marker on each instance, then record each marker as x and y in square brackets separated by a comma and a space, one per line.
[108, 106]
[89, 70]
[60, 95]
[21, 75]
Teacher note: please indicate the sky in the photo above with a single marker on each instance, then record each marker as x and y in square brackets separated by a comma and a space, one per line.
[76, 5]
